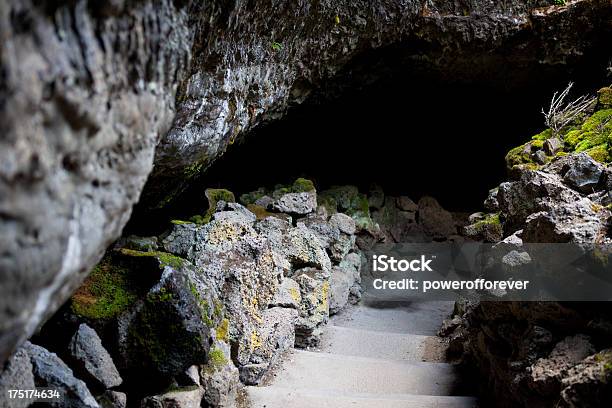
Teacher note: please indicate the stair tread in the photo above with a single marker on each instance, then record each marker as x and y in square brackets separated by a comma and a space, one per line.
[323, 371]
[420, 318]
[384, 345]
[281, 397]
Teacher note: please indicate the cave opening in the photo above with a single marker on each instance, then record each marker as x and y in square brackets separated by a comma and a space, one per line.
[390, 119]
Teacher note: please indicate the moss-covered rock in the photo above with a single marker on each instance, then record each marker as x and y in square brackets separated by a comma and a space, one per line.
[349, 200]
[604, 98]
[489, 229]
[106, 293]
[591, 134]
[168, 333]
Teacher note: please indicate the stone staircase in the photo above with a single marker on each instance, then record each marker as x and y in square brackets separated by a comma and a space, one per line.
[375, 355]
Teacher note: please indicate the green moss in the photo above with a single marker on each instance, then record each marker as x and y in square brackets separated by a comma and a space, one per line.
[105, 293]
[216, 358]
[604, 98]
[250, 198]
[492, 219]
[164, 258]
[547, 134]
[520, 156]
[302, 185]
[180, 222]
[223, 330]
[593, 136]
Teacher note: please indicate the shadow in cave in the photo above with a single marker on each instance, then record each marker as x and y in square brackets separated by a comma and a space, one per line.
[412, 133]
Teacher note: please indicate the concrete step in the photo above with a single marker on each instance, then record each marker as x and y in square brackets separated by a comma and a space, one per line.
[278, 397]
[422, 318]
[348, 341]
[304, 370]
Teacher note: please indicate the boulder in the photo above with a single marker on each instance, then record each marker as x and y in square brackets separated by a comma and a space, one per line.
[582, 173]
[587, 384]
[406, 204]
[51, 372]
[287, 295]
[170, 328]
[343, 222]
[435, 220]
[92, 359]
[314, 309]
[112, 399]
[186, 397]
[548, 373]
[296, 203]
[553, 145]
[16, 375]
[219, 377]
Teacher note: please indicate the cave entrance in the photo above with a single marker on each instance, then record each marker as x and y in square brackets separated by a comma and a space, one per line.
[412, 135]
[408, 128]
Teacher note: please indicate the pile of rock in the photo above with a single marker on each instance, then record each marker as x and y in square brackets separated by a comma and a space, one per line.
[209, 305]
[542, 354]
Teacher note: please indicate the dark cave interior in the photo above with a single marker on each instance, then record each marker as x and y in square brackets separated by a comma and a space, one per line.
[391, 122]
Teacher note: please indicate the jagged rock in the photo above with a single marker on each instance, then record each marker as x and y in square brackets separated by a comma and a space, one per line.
[92, 358]
[515, 259]
[491, 203]
[583, 173]
[406, 204]
[274, 336]
[51, 372]
[16, 375]
[251, 374]
[112, 399]
[325, 231]
[539, 157]
[341, 247]
[191, 376]
[488, 228]
[344, 283]
[343, 222]
[87, 111]
[340, 283]
[434, 219]
[547, 373]
[587, 384]
[395, 224]
[314, 309]
[547, 210]
[287, 295]
[553, 145]
[169, 330]
[296, 203]
[188, 397]
[219, 378]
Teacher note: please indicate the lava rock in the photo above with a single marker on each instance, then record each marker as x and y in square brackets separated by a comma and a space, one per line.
[92, 358]
[314, 309]
[112, 399]
[16, 375]
[188, 397]
[288, 295]
[547, 373]
[51, 372]
[583, 173]
[553, 145]
[296, 203]
[435, 220]
[344, 223]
